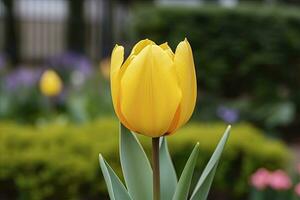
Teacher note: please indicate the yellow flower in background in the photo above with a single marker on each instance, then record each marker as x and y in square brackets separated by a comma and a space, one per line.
[154, 91]
[105, 68]
[50, 83]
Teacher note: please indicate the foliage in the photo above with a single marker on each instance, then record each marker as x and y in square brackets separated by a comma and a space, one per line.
[247, 57]
[139, 176]
[79, 101]
[60, 161]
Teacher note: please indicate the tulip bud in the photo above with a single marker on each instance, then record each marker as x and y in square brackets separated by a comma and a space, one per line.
[50, 83]
[154, 90]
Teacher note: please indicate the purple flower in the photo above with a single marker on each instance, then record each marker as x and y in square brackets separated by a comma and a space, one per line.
[72, 61]
[228, 115]
[22, 77]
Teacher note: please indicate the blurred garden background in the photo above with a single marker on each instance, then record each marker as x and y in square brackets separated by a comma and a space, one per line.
[247, 58]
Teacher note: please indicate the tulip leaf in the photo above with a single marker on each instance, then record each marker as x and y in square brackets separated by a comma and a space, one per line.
[168, 177]
[183, 186]
[136, 168]
[116, 189]
[205, 181]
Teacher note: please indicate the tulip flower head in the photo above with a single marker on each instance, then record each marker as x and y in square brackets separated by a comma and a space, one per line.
[154, 91]
[50, 83]
[260, 179]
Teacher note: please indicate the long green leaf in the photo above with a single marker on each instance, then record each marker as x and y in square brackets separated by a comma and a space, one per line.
[168, 177]
[202, 188]
[116, 189]
[136, 168]
[183, 186]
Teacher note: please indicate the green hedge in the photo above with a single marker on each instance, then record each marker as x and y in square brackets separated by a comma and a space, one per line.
[61, 161]
[248, 53]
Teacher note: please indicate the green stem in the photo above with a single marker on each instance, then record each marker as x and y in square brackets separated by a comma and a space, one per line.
[155, 163]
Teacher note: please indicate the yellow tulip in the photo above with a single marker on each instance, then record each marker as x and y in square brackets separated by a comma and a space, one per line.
[154, 91]
[50, 83]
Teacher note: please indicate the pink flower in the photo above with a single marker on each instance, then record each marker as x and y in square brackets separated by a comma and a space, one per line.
[297, 189]
[279, 180]
[260, 179]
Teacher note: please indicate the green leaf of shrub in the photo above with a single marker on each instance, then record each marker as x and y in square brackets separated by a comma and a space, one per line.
[116, 189]
[168, 177]
[136, 168]
[205, 181]
[183, 186]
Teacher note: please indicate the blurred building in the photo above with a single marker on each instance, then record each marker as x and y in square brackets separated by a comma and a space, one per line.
[33, 30]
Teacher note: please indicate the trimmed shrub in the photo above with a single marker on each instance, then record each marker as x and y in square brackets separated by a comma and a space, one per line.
[248, 54]
[61, 161]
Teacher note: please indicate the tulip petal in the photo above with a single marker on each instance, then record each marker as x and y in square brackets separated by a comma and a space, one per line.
[167, 49]
[117, 59]
[152, 92]
[136, 50]
[140, 46]
[184, 64]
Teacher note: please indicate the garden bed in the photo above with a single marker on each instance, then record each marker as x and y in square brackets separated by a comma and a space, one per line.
[60, 161]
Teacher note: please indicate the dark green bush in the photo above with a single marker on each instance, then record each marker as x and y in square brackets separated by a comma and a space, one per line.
[61, 161]
[248, 54]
